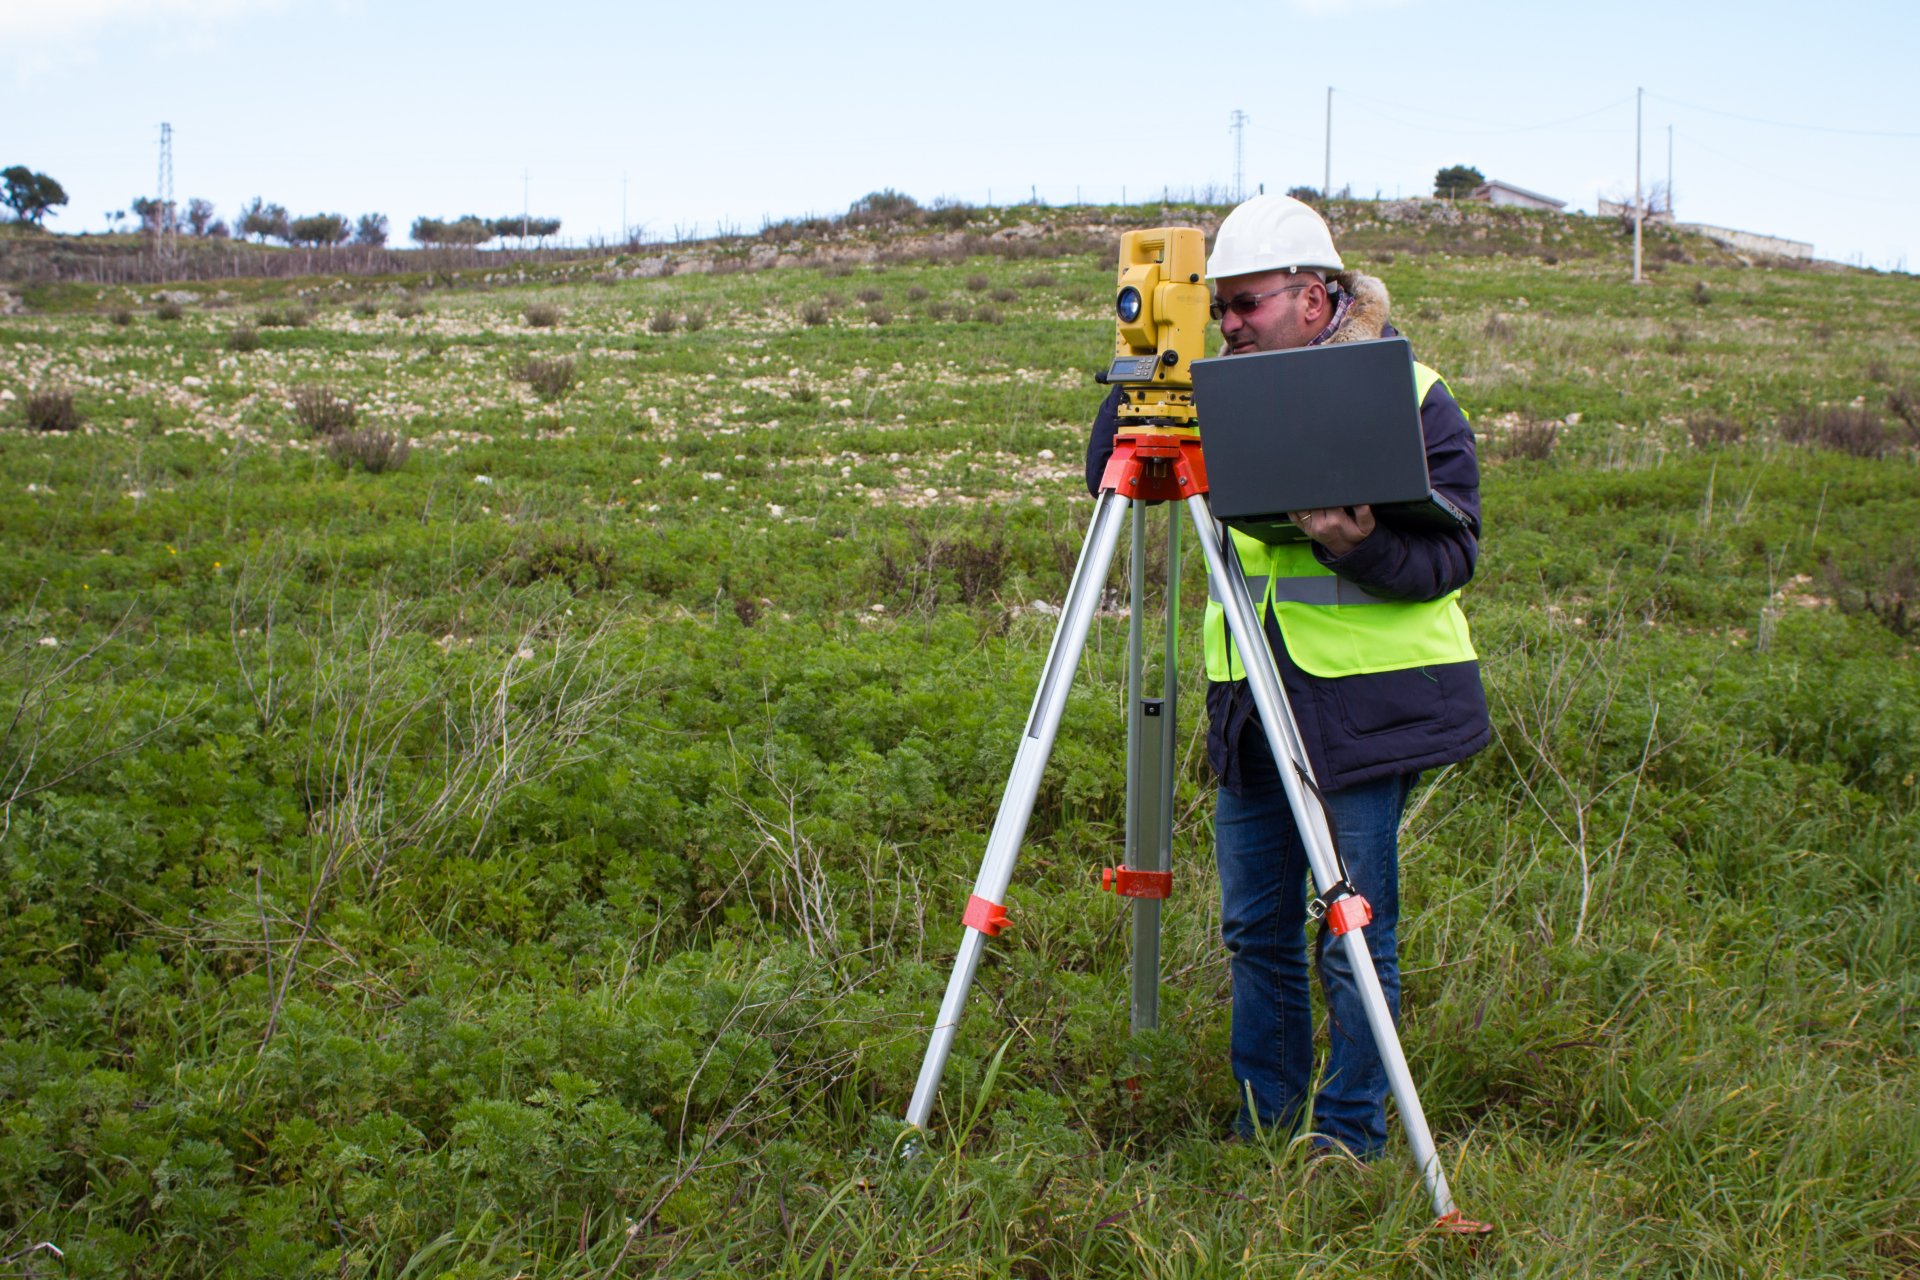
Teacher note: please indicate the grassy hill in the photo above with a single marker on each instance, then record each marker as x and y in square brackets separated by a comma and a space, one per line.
[492, 760]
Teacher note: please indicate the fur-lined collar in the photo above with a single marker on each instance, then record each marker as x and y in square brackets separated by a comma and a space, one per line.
[1367, 316]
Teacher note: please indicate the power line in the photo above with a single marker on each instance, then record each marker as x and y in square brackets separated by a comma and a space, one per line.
[1527, 128]
[1788, 124]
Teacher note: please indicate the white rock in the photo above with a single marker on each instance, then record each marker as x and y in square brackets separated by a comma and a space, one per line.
[1046, 455]
[1041, 606]
[483, 479]
[49, 642]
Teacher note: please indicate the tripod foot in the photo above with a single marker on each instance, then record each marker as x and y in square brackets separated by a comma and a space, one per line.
[1453, 1224]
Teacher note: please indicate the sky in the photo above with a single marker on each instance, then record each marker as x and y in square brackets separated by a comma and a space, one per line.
[692, 118]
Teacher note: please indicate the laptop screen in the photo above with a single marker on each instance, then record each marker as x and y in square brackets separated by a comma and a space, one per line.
[1333, 426]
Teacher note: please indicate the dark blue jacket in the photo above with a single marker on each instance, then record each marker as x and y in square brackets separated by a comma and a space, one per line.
[1360, 728]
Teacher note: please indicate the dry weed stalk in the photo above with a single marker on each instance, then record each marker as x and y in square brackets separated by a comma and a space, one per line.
[799, 871]
[1565, 695]
[48, 708]
[371, 792]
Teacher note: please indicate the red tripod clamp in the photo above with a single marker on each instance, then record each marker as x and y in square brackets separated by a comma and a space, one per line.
[1155, 465]
[1131, 883]
[986, 917]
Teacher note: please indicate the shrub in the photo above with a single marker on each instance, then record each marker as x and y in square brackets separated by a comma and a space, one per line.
[877, 313]
[169, 310]
[837, 269]
[549, 378]
[573, 558]
[1702, 296]
[949, 214]
[1497, 328]
[1306, 195]
[1887, 588]
[939, 310]
[663, 322]
[323, 410]
[978, 283]
[1039, 280]
[122, 316]
[695, 320]
[1004, 294]
[1878, 370]
[1852, 429]
[813, 313]
[51, 409]
[869, 294]
[297, 317]
[987, 315]
[408, 307]
[1532, 441]
[542, 315]
[372, 449]
[917, 293]
[1711, 430]
[880, 208]
[1904, 404]
[366, 309]
[244, 338]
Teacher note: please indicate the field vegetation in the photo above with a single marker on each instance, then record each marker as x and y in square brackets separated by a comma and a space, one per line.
[488, 782]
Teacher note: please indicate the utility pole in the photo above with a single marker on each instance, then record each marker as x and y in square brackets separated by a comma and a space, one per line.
[163, 225]
[1326, 188]
[1238, 127]
[525, 179]
[1639, 204]
[623, 209]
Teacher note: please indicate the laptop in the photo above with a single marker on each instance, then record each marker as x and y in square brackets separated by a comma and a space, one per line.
[1313, 427]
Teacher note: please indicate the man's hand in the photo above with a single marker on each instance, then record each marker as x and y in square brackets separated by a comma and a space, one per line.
[1338, 529]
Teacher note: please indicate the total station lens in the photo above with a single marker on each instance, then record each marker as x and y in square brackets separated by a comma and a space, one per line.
[1128, 305]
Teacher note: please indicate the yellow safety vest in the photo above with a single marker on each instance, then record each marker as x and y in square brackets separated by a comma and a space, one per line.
[1330, 626]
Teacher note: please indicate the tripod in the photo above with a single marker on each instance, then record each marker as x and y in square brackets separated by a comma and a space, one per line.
[1150, 465]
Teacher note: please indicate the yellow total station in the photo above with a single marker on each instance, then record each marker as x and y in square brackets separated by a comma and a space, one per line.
[1161, 308]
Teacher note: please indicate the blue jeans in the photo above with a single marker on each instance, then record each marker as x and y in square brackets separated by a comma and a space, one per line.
[1263, 913]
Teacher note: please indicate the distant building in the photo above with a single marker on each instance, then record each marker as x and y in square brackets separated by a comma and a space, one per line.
[1740, 241]
[1507, 196]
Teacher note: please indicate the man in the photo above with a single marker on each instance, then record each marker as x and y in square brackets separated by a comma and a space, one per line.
[1381, 690]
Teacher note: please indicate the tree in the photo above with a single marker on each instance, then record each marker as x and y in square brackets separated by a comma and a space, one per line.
[199, 215]
[151, 213]
[371, 230]
[1457, 180]
[262, 220]
[464, 230]
[521, 227]
[1307, 195]
[30, 195]
[320, 229]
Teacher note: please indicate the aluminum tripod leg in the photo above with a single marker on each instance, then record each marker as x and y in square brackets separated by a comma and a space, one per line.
[1283, 736]
[1150, 760]
[1023, 784]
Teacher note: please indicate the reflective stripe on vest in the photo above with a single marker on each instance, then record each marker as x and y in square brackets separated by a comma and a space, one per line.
[1332, 627]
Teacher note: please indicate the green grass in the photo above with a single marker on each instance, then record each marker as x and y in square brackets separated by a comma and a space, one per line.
[545, 858]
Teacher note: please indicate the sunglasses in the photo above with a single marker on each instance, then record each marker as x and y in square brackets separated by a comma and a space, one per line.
[1245, 304]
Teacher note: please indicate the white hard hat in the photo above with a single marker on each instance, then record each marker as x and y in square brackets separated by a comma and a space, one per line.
[1272, 233]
